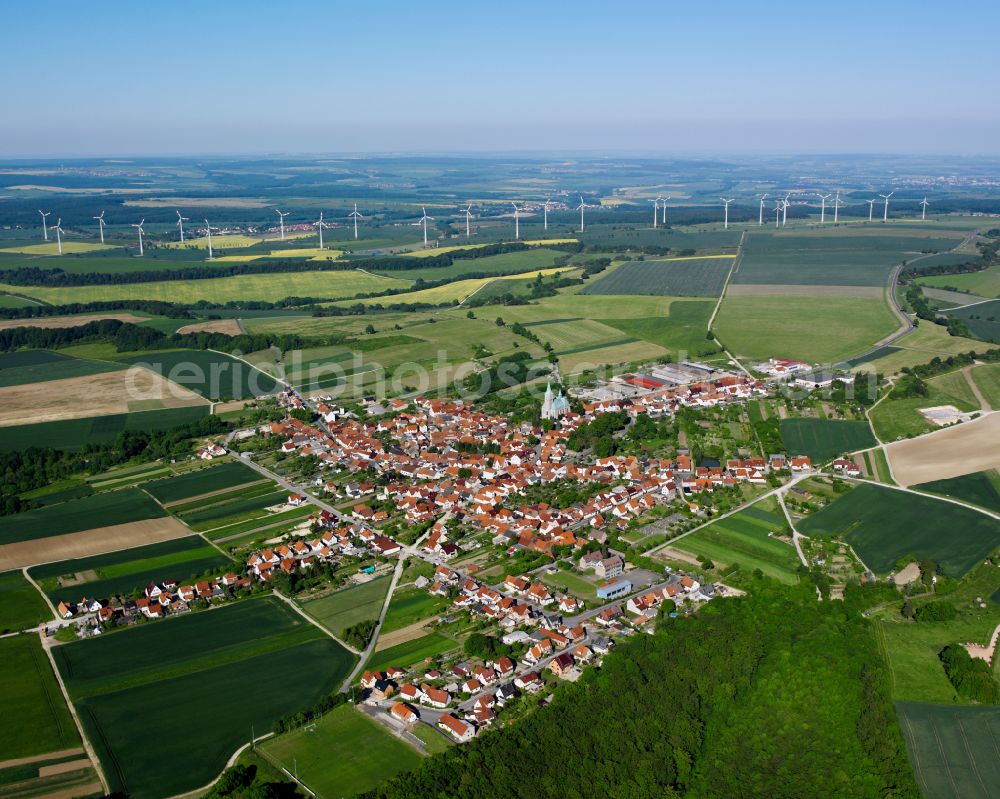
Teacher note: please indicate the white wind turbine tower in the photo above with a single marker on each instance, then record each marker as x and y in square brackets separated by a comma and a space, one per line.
[777, 211]
[141, 231]
[208, 229]
[45, 229]
[836, 208]
[726, 202]
[180, 223]
[923, 213]
[468, 216]
[355, 216]
[760, 222]
[784, 210]
[517, 223]
[580, 208]
[100, 222]
[822, 209]
[871, 208]
[663, 215]
[885, 211]
[545, 214]
[281, 221]
[320, 224]
[58, 229]
[424, 219]
[656, 210]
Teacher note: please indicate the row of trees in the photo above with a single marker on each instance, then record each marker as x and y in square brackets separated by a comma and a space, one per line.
[33, 468]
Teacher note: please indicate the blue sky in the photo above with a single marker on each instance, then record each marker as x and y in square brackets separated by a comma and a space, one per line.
[665, 77]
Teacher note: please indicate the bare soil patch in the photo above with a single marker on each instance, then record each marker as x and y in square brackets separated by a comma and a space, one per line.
[952, 452]
[96, 541]
[788, 290]
[92, 395]
[63, 768]
[401, 636]
[77, 578]
[24, 761]
[229, 327]
[677, 554]
[70, 321]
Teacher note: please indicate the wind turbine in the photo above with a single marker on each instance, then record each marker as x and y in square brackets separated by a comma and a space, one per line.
[726, 202]
[425, 219]
[885, 211]
[517, 224]
[836, 209]
[141, 231]
[777, 211]
[656, 209]
[663, 216]
[100, 221]
[208, 228]
[58, 230]
[320, 224]
[784, 210]
[822, 210]
[923, 213]
[545, 214]
[281, 221]
[180, 223]
[468, 216]
[45, 229]
[871, 208]
[580, 208]
[760, 222]
[356, 216]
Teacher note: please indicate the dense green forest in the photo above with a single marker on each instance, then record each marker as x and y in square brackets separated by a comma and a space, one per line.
[770, 695]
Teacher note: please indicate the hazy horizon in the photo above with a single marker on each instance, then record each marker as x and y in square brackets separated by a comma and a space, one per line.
[857, 78]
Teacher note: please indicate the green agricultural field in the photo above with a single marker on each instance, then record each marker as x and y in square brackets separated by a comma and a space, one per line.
[823, 439]
[983, 284]
[200, 666]
[74, 434]
[37, 366]
[885, 524]
[412, 652]
[273, 523]
[129, 570]
[10, 301]
[52, 248]
[20, 605]
[35, 718]
[332, 285]
[816, 267]
[328, 754]
[682, 330]
[694, 238]
[953, 750]
[983, 319]
[235, 510]
[345, 608]
[920, 345]
[97, 510]
[743, 539]
[683, 277]
[987, 378]
[202, 481]
[979, 488]
[802, 326]
[410, 606]
[900, 418]
[214, 375]
[509, 263]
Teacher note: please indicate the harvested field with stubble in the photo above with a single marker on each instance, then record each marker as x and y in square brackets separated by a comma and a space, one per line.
[951, 452]
[92, 395]
[86, 543]
[70, 321]
[229, 327]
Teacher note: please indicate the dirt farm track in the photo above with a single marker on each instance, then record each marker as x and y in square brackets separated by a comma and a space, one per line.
[90, 542]
[951, 452]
